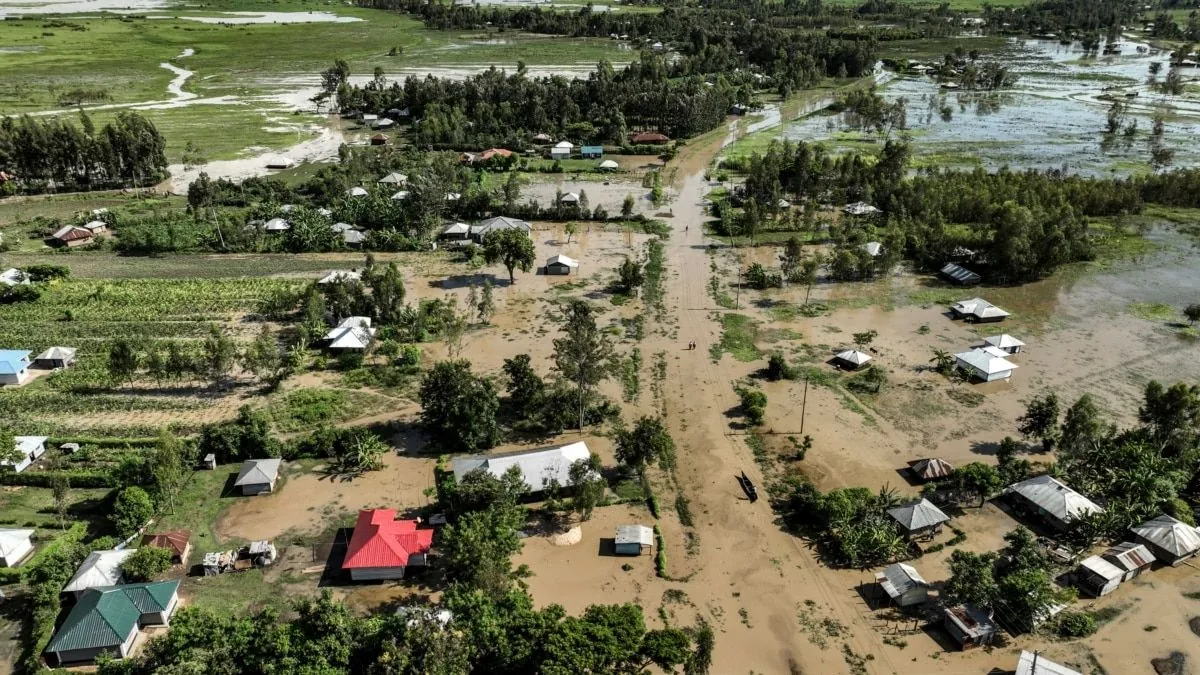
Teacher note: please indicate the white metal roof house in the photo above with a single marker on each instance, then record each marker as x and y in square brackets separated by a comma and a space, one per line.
[977, 310]
[970, 626]
[14, 366]
[1032, 663]
[354, 333]
[985, 366]
[100, 568]
[394, 178]
[341, 227]
[1005, 342]
[340, 275]
[1131, 557]
[499, 223]
[1053, 501]
[569, 198]
[538, 466]
[851, 359]
[277, 225]
[1171, 540]
[565, 145]
[903, 584]
[31, 448]
[919, 518]
[56, 357]
[15, 546]
[1098, 576]
[258, 476]
[560, 264]
[633, 540]
[456, 232]
[860, 209]
[353, 238]
[14, 277]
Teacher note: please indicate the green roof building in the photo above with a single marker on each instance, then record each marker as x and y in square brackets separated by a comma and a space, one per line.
[107, 619]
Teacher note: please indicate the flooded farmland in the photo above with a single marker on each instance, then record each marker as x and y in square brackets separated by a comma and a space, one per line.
[1054, 117]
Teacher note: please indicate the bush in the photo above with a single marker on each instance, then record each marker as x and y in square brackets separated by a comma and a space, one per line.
[660, 554]
[1075, 624]
[754, 404]
[45, 479]
[130, 511]
[349, 360]
[778, 368]
[146, 563]
[408, 355]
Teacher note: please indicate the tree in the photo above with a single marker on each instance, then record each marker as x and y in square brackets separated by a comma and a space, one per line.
[265, 359]
[387, 294]
[977, 478]
[627, 207]
[864, 339]
[453, 329]
[584, 355]
[1171, 414]
[753, 404]
[513, 248]
[648, 442]
[1040, 419]
[459, 408]
[146, 563]
[486, 306]
[942, 361]
[778, 368]
[525, 389]
[130, 511]
[477, 548]
[123, 360]
[479, 490]
[630, 276]
[971, 579]
[665, 648]
[587, 486]
[1082, 426]
[218, 355]
[809, 267]
[60, 487]
[1192, 313]
[168, 467]
[705, 641]
[570, 229]
[789, 261]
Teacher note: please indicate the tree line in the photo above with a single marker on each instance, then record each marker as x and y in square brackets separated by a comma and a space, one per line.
[47, 154]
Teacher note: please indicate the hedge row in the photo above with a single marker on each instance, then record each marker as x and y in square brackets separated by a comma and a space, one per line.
[660, 555]
[79, 478]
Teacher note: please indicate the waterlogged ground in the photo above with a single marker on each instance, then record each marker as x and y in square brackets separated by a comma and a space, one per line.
[1053, 118]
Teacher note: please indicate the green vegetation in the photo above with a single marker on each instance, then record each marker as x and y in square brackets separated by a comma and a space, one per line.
[739, 334]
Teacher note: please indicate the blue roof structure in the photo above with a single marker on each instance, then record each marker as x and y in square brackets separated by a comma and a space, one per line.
[13, 361]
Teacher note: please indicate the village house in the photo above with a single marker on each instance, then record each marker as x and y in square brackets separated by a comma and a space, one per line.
[96, 226]
[539, 467]
[903, 584]
[106, 620]
[1005, 343]
[99, 569]
[569, 198]
[1050, 500]
[984, 365]
[354, 333]
[71, 236]
[560, 264]
[562, 150]
[257, 476]
[481, 230]
[56, 357]
[930, 469]
[851, 359]
[591, 151]
[633, 540]
[399, 196]
[383, 547]
[977, 310]
[1097, 576]
[31, 448]
[1130, 557]
[14, 366]
[276, 225]
[178, 542]
[1172, 541]
[649, 138]
[960, 275]
[393, 178]
[379, 139]
[970, 626]
[15, 546]
[1032, 663]
[919, 519]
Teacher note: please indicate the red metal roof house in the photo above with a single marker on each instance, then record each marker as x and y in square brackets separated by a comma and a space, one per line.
[382, 547]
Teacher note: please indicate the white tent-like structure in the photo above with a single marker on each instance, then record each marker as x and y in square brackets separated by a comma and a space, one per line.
[852, 358]
[100, 568]
[15, 546]
[609, 165]
[394, 178]
[357, 192]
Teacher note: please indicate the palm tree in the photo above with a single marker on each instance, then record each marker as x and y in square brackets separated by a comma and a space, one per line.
[942, 361]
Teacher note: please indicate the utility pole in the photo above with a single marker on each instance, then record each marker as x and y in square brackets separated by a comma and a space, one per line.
[804, 405]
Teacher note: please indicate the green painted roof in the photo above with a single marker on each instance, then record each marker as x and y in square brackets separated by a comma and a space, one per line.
[104, 616]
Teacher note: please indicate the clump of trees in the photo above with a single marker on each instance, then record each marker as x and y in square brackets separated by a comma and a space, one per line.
[851, 524]
[458, 408]
[146, 563]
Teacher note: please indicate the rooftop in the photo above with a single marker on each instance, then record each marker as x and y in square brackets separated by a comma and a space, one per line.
[1055, 498]
[105, 616]
[379, 540]
[918, 515]
[538, 466]
[257, 471]
[1169, 534]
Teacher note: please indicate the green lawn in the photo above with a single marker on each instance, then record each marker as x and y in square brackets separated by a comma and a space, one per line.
[34, 507]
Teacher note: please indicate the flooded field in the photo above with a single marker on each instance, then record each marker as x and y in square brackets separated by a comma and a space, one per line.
[1053, 118]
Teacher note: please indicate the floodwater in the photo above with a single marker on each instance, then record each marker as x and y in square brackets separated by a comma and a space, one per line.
[548, 4]
[78, 6]
[1053, 117]
[265, 17]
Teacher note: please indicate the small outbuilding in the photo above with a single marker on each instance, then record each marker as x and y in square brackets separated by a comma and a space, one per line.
[30, 449]
[851, 359]
[353, 238]
[178, 542]
[279, 162]
[379, 139]
[650, 138]
[478, 232]
[71, 236]
[15, 546]
[930, 469]
[56, 357]
[1006, 343]
[1032, 663]
[633, 540]
[561, 264]
[1130, 557]
[970, 626]
[859, 209]
[99, 569]
[977, 310]
[209, 462]
[353, 333]
[1097, 576]
[277, 225]
[591, 151]
[569, 198]
[340, 275]
[985, 366]
[608, 165]
[96, 226]
[258, 476]
[903, 584]
[14, 366]
[919, 519]
[1172, 541]
[960, 275]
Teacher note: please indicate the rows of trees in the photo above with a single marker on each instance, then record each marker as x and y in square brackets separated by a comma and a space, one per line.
[56, 154]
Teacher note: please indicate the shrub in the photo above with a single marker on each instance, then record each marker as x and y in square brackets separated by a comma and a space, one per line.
[146, 563]
[45, 479]
[660, 554]
[1075, 624]
[778, 368]
[754, 404]
[131, 509]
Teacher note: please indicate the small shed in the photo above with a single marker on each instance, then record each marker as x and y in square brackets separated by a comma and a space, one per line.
[209, 462]
[1130, 557]
[1005, 343]
[541, 139]
[919, 519]
[178, 542]
[970, 626]
[96, 226]
[1172, 541]
[560, 264]
[30, 448]
[851, 359]
[279, 162]
[560, 153]
[903, 584]
[14, 366]
[591, 151]
[68, 448]
[353, 238]
[931, 469]
[1098, 576]
[340, 276]
[394, 178]
[15, 546]
[569, 198]
[633, 540]
[56, 357]
[379, 139]
[1033, 663]
[873, 248]
[650, 138]
[257, 476]
[960, 275]
[399, 196]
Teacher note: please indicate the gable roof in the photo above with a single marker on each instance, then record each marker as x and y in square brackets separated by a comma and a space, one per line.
[931, 468]
[357, 191]
[56, 354]
[100, 568]
[1004, 341]
[1054, 498]
[394, 178]
[340, 275]
[538, 466]
[564, 145]
[14, 541]
[634, 534]
[353, 237]
[175, 541]
[349, 337]
[13, 361]
[860, 209]
[561, 259]
[257, 472]
[899, 578]
[72, 233]
[501, 223]
[979, 308]
[1031, 663]
[971, 620]
[379, 540]
[985, 362]
[918, 515]
[1171, 535]
[961, 274]
[1102, 568]
[1129, 556]
[104, 617]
